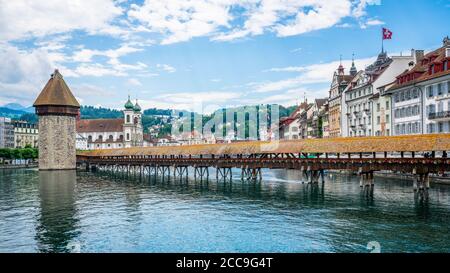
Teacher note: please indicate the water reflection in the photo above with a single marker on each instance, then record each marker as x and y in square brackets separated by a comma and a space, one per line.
[114, 213]
[57, 220]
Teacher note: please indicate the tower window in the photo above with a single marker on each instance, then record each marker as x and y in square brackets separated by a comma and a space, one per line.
[128, 118]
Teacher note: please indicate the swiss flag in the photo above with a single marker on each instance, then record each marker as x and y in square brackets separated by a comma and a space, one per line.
[387, 34]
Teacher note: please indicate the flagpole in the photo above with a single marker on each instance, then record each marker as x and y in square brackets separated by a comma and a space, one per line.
[382, 41]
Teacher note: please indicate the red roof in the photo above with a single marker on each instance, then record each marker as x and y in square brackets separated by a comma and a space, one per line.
[99, 125]
[422, 70]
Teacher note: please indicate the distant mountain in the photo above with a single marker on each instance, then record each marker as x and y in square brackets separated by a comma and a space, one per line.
[11, 113]
[17, 106]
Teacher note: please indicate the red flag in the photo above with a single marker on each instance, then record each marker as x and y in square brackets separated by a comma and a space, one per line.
[387, 34]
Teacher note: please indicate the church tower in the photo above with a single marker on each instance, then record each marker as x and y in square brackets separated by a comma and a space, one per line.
[57, 109]
[139, 132]
[353, 70]
[128, 123]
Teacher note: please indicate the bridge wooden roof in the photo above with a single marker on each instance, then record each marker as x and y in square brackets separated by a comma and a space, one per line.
[417, 143]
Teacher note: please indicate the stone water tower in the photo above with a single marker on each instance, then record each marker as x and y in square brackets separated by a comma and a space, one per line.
[57, 109]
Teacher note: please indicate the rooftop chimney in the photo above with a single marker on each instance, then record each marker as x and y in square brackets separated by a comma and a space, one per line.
[417, 54]
[446, 41]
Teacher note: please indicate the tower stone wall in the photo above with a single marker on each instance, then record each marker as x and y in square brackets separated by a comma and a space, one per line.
[57, 142]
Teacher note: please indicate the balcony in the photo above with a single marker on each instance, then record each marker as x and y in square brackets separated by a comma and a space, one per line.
[439, 115]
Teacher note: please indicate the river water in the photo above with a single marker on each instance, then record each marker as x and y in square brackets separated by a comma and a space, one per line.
[68, 211]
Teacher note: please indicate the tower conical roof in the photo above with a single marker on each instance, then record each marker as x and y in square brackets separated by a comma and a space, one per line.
[56, 93]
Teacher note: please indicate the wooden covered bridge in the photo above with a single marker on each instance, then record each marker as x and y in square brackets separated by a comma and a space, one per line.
[415, 154]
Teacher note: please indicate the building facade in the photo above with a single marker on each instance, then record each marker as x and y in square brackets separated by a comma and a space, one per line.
[338, 85]
[6, 133]
[113, 133]
[315, 121]
[25, 134]
[368, 111]
[420, 95]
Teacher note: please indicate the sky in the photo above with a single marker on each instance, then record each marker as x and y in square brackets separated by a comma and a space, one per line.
[202, 54]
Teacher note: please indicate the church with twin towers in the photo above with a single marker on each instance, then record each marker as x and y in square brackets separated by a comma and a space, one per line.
[123, 132]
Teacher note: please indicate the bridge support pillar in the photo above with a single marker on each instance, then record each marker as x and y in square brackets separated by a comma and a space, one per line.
[302, 174]
[322, 175]
[250, 173]
[201, 171]
[223, 173]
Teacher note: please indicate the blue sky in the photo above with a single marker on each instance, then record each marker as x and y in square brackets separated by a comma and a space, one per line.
[202, 54]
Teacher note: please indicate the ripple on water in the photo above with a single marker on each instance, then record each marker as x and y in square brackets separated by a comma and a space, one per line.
[105, 214]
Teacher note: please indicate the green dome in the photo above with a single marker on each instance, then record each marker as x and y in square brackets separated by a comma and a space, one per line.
[137, 108]
[129, 105]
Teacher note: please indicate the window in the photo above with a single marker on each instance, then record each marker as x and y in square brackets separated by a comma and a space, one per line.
[432, 108]
[128, 118]
[439, 89]
[100, 138]
[128, 136]
[440, 106]
[396, 98]
[378, 107]
[387, 119]
[90, 138]
[430, 91]
[110, 138]
[440, 127]
[378, 120]
[388, 132]
[387, 105]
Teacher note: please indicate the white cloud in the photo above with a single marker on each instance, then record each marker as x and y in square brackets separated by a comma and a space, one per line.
[26, 19]
[166, 67]
[311, 74]
[195, 101]
[134, 82]
[324, 14]
[23, 72]
[182, 20]
[374, 22]
[85, 55]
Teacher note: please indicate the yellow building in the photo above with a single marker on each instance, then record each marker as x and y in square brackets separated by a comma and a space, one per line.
[25, 134]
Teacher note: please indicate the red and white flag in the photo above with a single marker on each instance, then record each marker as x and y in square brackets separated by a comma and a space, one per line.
[387, 34]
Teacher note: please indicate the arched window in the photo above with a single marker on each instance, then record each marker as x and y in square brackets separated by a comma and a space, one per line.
[90, 138]
[110, 138]
[128, 136]
[100, 138]
[128, 118]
